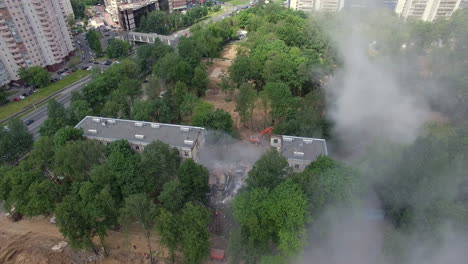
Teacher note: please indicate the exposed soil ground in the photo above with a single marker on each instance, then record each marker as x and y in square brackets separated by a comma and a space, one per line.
[30, 241]
[225, 101]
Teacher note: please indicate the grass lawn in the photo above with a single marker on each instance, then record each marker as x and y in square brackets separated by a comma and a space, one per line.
[237, 2]
[14, 107]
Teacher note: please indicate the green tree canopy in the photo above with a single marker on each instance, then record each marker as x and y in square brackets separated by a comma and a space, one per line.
[15, 141]
[270, 170]
[35, 75]
[118, 48]
[139, 207]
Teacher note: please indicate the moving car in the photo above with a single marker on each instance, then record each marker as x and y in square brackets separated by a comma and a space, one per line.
[30, 121]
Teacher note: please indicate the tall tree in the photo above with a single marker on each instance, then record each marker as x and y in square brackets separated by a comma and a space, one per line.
[200, 80]
[194, 220]
[160, 163]
[15, 141]
[270, 170]
[118, 48]
[140, 208]
[217, 120]
[35, 75]
[193, 181]
[277, 216]
[245, 102]
[57, 118]
[94, 41]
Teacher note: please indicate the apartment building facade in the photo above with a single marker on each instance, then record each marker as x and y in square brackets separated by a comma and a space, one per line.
[186, 139]
[190, 140]
[426, 10]
[32, 32]
[317, 5]
[66, 7]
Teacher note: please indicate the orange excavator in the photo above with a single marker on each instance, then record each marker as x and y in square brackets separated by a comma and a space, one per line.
[266, 131]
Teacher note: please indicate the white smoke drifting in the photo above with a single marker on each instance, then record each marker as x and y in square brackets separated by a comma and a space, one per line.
[365, 99]
[367, 102]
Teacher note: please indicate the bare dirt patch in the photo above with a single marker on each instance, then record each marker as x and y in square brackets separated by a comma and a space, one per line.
[31, 241]
[225, 101]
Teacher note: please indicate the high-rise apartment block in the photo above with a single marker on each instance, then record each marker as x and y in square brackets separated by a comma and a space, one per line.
[32, 32]
[66, 7]
[426, 10]
[317, 5]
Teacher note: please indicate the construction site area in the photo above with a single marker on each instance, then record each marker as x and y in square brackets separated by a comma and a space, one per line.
[228, 159]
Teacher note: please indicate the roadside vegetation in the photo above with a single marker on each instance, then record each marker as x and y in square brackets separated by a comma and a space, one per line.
[14, 107]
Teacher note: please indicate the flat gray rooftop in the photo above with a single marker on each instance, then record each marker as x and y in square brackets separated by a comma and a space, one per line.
[139, 131]
[301, 148]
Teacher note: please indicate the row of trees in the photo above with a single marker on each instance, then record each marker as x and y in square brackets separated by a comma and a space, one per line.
[163, 23]
[91, 188]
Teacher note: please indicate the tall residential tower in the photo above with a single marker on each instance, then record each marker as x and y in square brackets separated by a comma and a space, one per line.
[317, 5]
[426, 10]
[32, 32]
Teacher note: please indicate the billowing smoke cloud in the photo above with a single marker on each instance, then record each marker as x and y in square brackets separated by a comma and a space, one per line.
[366, 99]
[229, 161]
[367, 102]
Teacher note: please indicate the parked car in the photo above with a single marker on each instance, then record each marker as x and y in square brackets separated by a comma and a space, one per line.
[108, 63]
[30, 121]
[96, 62]
[21, 97]
[25, 95]
[16, 99]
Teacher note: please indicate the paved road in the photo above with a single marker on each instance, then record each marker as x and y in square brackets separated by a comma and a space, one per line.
[40, 114]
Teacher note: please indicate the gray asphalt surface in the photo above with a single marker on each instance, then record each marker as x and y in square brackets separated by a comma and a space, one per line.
[40, 114]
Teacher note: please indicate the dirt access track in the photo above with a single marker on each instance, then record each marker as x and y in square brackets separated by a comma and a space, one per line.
[226, 101]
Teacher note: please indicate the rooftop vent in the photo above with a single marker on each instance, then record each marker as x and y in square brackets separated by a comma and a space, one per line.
[308, 141]
[185, 129]
[155, 125]
[188, 142]
[298, 154]
[92, 131]
[288, 139]
[104, 123]
[140, 136]
[138, 124]
[111, 121]
[97, 120]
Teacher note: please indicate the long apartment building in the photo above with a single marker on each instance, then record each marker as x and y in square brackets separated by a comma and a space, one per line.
[190, 140]
[32, 32]
[316, 5]
[426, 10]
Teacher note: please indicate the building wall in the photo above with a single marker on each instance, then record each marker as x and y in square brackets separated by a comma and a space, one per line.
[129, 19]
[317, 5]
[32, 32]
[427, 10]
[298, 165]
[66, 7]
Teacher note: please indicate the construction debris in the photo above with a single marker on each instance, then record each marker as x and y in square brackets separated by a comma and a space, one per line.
[59, 247]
